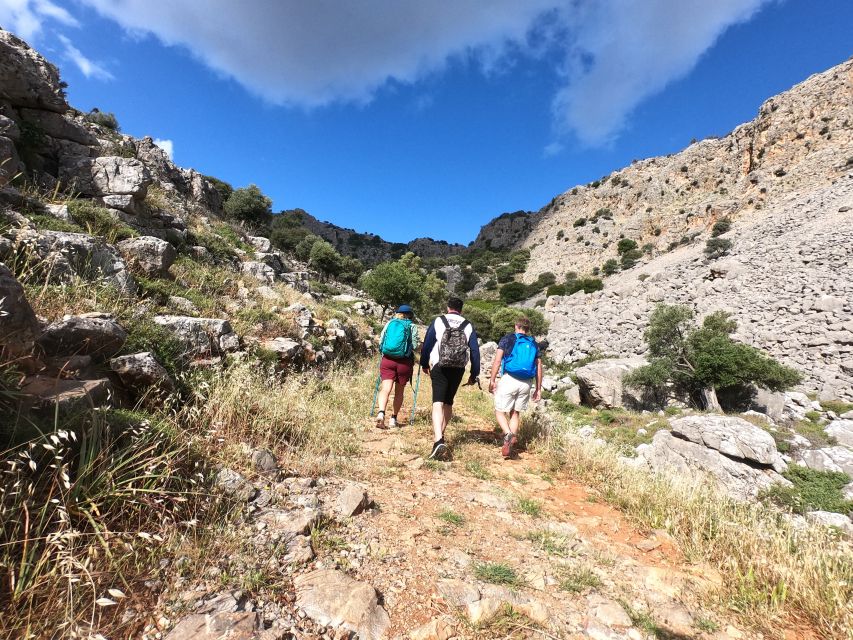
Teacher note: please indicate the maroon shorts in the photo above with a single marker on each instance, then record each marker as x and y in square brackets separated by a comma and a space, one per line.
[397, 369]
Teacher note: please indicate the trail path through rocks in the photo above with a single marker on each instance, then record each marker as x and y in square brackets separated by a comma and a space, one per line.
[439, 532]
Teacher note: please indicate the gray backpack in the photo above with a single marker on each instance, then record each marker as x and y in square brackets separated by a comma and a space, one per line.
[453, 350]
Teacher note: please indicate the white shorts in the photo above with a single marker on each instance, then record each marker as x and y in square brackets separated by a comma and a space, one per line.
[512, 393]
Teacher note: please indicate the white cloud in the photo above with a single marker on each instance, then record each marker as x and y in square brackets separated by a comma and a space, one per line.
[166, 145]
[612, 54]
[553, 149]
[88, 67]
[26, 17]
[629, 50]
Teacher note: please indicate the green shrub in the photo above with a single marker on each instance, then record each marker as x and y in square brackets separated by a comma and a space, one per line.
[580, 222]
[625, 245]
[481, 319]
[99, 221]
[587, 285]
[504, 274]
[513, 292]
[630, 258]
[704, 359]
[143, 334]
[610, 267]
[811, 491]
[249, 205]
[721, 227]
[556, 290]
[503, 322]
[717, 248]
[102, 118]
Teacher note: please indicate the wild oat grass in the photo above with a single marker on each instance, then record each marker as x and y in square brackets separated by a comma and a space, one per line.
[83, 512]
[771, 567]
[312, 421]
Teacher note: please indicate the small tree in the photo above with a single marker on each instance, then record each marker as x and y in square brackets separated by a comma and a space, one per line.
[325, 259]
[249, 205]
[303, 248]
[610, 267]
[720, 227]
[503, 322]
[717, 247]
[703, 360]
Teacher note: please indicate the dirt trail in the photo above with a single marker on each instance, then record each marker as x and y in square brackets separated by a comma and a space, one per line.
[579, 567]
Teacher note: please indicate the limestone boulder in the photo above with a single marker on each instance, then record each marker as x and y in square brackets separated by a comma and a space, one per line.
[141, 371]
[333, 599]
[201, 336]
[95, 335]
[260, 243]
[260, 271]
[106, 175]
[26, 78]
[731, 436]
[830, 519]
[836, 458]
[18, 324]
[670, 454]
[487, 354]
[65, 397]
[842, 431]
[150, 255]
[239, 625]
[288, 349]
[59, 257]
[600, 383]
[351, 500]
[233, 484]
[59, 126]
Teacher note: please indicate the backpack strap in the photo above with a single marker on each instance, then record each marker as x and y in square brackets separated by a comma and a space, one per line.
[464, 324]
[445, 321]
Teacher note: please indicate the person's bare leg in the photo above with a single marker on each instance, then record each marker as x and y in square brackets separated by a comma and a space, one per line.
[514, 420]
[384, 393]
[399, 392]
[438, 420]
[447, 414]
[503, 423]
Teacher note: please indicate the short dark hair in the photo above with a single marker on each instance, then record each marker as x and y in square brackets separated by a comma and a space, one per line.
[454, 304]
[523, 322]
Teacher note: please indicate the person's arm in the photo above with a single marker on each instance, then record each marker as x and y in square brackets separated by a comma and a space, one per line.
[426, 348]
[538, 393]
[475, 356]
[496, 365]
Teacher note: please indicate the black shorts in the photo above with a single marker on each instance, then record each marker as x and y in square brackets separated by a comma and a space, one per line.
[445, 383]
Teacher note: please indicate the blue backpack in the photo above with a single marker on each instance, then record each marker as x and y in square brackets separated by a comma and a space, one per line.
[521, 361]
[397, 342]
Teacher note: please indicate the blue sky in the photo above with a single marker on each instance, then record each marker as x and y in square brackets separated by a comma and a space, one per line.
[410, 119]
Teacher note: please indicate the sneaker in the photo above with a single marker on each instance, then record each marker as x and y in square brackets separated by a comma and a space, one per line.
[506, 450]
[439, 451]
[393, 422]
[380, 420]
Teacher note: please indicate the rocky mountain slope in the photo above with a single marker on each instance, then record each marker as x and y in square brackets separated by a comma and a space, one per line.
[783, 180]
[371, 248]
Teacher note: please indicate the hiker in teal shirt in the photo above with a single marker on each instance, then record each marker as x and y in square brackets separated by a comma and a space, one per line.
[397, 343]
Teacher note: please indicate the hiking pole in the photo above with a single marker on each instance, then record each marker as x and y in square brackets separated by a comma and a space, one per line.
[415, 401]
[376, 391]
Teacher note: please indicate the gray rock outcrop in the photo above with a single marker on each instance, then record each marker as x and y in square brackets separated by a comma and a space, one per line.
[668, 453]
[731, 436]
[26, 78]
[96, 335]
[835, 458]
[201, 336]
[332, 598]
[107, 175]
[150, 255]
[600, 383]
[18, 324]
[141, 371]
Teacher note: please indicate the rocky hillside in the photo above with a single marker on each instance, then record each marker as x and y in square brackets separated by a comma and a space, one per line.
[783, 183]
[371, 248]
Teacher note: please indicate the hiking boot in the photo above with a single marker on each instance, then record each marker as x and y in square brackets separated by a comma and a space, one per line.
[380, 420]
[506, 449]
[439, 451]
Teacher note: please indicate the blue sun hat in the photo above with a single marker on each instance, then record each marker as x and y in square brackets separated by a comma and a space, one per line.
[404, 308]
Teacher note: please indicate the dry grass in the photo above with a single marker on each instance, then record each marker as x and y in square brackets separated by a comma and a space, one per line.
[771, 567]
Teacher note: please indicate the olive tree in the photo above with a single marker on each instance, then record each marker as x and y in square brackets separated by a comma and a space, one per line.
[704, 359]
